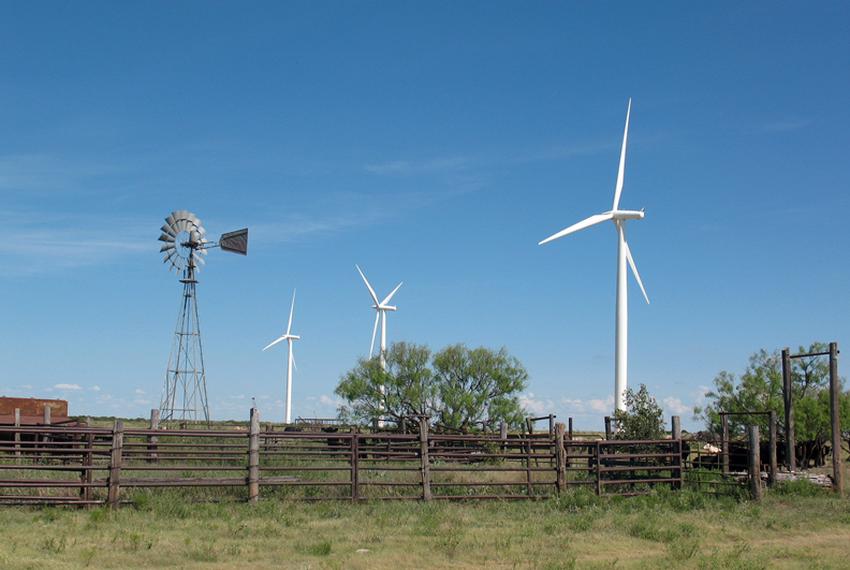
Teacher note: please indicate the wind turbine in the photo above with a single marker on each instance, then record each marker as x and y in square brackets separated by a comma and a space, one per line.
[381, 308]
[624, 254]
[289, 338]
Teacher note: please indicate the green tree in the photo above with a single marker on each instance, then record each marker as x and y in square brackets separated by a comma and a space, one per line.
[406, 388]
[760, 389]
[643, 418]
[459, 388]
[478, 387]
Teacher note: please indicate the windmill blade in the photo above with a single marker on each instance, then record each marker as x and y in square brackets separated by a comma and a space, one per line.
[393, 292]
[171, 219]
[166, 229]
[371, 291]
[271, 344]
[291, 311]
[634, 270]
[586, 223]
[374, 332]
[166, 247]
[622, 169]
[166, 238]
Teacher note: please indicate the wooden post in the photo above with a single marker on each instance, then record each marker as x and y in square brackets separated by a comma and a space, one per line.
[425, 462]
[561, 458]
[114, 482]
[528, 451]
[788, 399]
[254, 457]
[88, 461]
[607, 427]
[153, 440]
[676, 434]
[676, 427]
[598, 470]
[754, 462]
[835, 416]
[47, 421]
[503, 435]
[355, 474]
[771, 449]
[724, 443]
[17, 433]
[570, 438]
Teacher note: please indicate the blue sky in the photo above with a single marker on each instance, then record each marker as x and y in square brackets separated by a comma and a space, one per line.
[432, 143]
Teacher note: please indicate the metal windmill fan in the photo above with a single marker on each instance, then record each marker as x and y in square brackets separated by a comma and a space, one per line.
[183, 237]
[184, 247]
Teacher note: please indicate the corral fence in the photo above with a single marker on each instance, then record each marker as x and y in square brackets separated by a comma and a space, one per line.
[97, 466]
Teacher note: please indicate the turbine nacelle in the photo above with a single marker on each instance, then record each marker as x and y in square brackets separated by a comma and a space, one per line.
[627, 214]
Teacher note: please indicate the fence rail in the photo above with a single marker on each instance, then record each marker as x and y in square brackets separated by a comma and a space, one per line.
[91, 466]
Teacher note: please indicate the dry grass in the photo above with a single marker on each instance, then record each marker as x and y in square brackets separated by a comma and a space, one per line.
[683, 530]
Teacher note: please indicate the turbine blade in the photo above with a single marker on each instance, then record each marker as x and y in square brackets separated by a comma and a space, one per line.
[634, 270]
[374, 332]
[390, 296]
[291, 311]
[622, 169]
[295, 366]
[586, 223]
[366, 281]
[271, 344]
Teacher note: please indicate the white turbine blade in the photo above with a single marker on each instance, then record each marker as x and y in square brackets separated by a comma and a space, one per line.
[275, 342]
[586, 223]
[374, 332]
[622, 169]
[291, 311]
[295, 366]
[390, 296]
[366, 281]
[635, 271]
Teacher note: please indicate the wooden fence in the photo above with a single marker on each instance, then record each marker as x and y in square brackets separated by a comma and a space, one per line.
[90, 466]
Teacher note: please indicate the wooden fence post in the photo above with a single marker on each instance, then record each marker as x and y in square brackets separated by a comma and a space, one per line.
[835, 416]
[528, 450]
[598, 469]
[724, 443]
[153, 440]
[754, 462]
[676, 434]
[47, 421]
[570, 438]
[114, 482]
[503, 435]
[424, 458]
[355, 460]
[560, 458]
[771, 449]
[88, 462]
[607, 427]
[17, 433]
[254, 456]
[788, 398]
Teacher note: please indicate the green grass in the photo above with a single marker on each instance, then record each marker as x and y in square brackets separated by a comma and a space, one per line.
[791, 528]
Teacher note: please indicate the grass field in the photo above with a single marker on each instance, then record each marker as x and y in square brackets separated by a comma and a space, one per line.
[797, 528]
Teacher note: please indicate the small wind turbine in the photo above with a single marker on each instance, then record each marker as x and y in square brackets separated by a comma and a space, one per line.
[381, 308]
[289, 338]
[624, 254]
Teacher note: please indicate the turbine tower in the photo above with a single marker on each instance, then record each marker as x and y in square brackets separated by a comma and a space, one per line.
[381, 308]
[184, 396]
[289, 338]
[624, 255]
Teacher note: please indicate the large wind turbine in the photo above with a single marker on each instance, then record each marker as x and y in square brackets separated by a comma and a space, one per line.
[289, 338]
[381, 308]
[624, 254]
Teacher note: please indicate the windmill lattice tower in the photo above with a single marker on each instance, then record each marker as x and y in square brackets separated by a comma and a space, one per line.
[184, 396]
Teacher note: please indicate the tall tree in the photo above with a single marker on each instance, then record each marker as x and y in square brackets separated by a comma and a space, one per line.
[459, 388]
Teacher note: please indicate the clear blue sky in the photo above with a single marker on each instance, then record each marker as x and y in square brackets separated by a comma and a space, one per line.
[432, 143]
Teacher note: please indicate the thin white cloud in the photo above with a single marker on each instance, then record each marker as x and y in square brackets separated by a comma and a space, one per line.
[408, 167]
[537, 406]
[67, 387]
[786, 125]
[676, 406]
